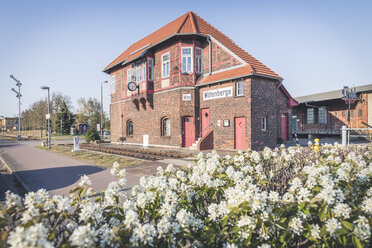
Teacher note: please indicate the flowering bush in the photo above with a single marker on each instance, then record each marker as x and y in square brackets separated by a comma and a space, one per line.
[297, 197]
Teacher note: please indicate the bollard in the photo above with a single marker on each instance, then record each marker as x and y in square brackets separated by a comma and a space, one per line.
[316, 145]
[344, 133]
[76, 144]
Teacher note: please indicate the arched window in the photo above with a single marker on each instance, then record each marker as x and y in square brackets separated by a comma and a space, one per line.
[129, 127]
[165, 126]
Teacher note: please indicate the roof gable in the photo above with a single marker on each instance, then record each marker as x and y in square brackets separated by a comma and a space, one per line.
[190, 23]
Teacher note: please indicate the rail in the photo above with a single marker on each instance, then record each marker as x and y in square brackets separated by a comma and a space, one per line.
[207, 127]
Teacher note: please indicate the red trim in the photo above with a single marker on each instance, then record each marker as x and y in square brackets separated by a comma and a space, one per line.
[291, 102]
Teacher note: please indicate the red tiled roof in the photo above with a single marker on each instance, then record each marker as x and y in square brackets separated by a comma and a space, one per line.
[192, 23]
[225, 75]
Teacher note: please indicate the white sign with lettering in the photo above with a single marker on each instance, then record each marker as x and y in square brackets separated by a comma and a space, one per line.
[218, 93]
[186, 97]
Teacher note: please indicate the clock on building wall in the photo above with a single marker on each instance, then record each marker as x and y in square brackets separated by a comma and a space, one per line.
[132, 86]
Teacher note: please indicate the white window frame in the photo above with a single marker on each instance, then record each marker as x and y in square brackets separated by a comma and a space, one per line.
[322, 115]
[138, 72]
[310, 113]
[189, 60]
[150, 68]
[237, 88]
[264, 123]
[198, 60]
[165, 124]
[129, 75]
[165, 71]
[113, 84]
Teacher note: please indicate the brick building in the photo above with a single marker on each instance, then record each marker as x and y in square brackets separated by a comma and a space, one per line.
[327, 112]
[196, 88]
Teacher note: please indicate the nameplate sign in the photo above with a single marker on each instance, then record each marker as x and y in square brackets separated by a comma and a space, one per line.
[186, 97]
[218, 93]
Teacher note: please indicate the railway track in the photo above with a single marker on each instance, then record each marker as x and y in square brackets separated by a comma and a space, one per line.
[133, 152]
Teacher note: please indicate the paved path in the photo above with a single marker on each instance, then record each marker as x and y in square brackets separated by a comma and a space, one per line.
[59, 174]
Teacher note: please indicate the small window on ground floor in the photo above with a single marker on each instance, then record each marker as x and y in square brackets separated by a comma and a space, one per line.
[129, 127]
[360, 113]
[264, 123]
[165, 127]
[322, 115]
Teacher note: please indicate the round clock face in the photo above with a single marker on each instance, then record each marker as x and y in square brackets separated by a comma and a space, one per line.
[132, 86]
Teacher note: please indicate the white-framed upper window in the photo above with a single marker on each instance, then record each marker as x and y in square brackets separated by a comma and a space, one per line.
[187, 64]
[129, 75]
[264, 123]
[240, 88]
[143, 71]
[150, 66]
[165, 64]
[310, 116]
[198, 60]
[138, 72]
[322, 115]
[113, 84]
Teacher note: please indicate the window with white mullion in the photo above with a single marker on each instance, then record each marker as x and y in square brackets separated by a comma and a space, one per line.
[198, 60]
[129, 76]
[165, 61]
[187, 61]
[113, 84]
[150, 66]
[138, 73]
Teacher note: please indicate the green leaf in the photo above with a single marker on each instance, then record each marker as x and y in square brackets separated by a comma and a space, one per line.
[347, 225]
[356, 242]
[323, 212]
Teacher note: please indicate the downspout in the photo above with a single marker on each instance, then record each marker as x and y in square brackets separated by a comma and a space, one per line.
[210, 54]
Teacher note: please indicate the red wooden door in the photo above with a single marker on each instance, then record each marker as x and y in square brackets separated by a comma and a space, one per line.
[187, 131]
[240, 139]
[284, 127]
[204, 121]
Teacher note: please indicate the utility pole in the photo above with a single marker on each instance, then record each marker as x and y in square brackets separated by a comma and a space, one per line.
[104, 82]
[19, 104]
[48, 116]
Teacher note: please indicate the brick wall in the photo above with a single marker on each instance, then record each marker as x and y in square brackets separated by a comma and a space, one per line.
[148, 121]
[337, 112]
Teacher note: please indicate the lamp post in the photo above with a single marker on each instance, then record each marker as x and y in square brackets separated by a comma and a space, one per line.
[104, 82]
[19, 103]
[2, 124]
[48, 116]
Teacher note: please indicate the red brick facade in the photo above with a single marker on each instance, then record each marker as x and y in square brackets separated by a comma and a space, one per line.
[337, 113]
[179, 99]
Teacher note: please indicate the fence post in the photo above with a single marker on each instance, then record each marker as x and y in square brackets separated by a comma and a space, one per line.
[343, 131]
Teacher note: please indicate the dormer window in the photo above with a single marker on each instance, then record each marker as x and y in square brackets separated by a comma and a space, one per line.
[187, 60]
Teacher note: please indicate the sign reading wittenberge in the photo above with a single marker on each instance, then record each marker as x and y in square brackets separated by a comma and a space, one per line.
[218, 93]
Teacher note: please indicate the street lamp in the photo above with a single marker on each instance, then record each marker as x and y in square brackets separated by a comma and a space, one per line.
[2, 124]
[48, 116]
[104, 82]
[19, 103]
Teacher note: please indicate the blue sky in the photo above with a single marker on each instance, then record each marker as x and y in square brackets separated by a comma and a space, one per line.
[314, 45]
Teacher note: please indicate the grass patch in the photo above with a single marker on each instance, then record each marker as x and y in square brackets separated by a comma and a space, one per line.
[97, 158]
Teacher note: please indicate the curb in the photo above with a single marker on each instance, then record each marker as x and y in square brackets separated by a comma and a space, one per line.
[17, 177]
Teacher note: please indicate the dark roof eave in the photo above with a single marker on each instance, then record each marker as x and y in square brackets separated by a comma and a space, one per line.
[123, 62]
[237, 77]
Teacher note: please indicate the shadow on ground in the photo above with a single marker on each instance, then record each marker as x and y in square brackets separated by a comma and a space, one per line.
[56, 178]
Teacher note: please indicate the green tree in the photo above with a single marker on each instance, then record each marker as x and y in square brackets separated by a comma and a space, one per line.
[89, 111]
[64, 119]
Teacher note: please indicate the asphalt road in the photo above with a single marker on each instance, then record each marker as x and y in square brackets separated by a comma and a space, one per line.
[59, 174]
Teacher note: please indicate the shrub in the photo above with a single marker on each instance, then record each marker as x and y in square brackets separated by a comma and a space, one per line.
[295, 197]
[92, 135]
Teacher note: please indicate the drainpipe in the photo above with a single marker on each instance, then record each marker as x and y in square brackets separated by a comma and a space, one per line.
[210, 54]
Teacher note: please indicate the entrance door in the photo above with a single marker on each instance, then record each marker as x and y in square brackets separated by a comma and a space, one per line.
[240, 139]
[284, 127]
[204, 121]
[187, 131]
